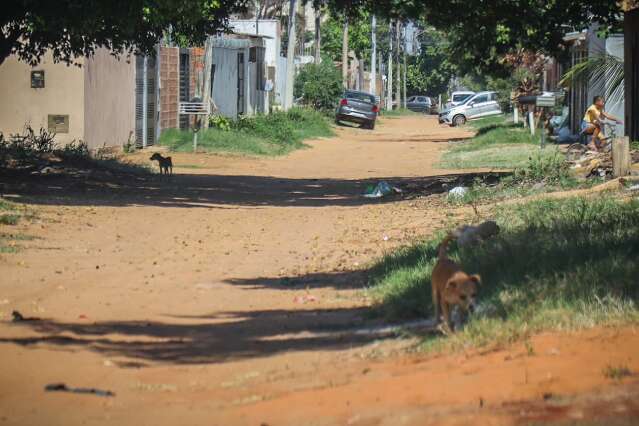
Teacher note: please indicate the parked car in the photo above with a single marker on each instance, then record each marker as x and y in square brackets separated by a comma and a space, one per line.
[358, 107]
[482, 104]
[421, 104]
[458, 98]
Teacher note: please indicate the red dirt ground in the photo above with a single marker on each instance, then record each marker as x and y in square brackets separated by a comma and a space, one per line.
[185, 298]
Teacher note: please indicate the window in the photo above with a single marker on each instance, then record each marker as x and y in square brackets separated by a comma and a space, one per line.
[480, 99]
[364, 97]
[58, 123]
[37, 79]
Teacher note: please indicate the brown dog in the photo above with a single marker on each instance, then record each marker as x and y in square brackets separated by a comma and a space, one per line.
[451, 286]
[165, 163]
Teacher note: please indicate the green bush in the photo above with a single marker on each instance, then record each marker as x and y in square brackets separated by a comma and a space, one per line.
[220, 122]
[319, 85]
[543, 167]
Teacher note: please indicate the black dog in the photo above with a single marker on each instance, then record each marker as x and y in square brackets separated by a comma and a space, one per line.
[166, 165]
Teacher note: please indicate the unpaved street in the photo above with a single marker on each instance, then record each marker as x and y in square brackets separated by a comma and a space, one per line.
[226, 296]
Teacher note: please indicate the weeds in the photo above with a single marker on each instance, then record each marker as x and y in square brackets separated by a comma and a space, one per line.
[557, 264]
[274, 134]
[9, 219]
[616, 372]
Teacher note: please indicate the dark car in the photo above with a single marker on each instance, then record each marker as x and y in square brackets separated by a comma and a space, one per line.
[358, 107]
[421, 104]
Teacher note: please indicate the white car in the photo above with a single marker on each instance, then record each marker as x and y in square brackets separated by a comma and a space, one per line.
[482, 104]
[458, 98]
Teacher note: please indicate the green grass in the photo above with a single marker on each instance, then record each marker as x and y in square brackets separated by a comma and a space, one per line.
[397, 113]
[263, 135]
[557, 264]
[498, 144]
[616, 372]
[8, 242]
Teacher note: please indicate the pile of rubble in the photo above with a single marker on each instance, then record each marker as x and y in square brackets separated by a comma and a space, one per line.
[585, 163]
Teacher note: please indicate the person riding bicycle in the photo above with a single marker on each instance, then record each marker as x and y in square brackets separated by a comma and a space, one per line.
[592, 122]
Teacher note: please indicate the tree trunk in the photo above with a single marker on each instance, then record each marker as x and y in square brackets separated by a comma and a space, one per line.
[290, 55]
[318, 35]
[389, 77]
[404, 82]
[398, 93]
[345, 55]
[206, 90]
[373, 84]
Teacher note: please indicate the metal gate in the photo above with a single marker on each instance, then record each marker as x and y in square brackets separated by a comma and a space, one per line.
[145, 101]
[185, 84]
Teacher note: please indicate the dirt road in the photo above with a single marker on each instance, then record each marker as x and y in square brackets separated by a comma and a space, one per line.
[227, 296]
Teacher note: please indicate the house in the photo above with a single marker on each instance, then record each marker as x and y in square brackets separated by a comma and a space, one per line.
[271, 30]
[238, 79]
[93, 102]
[631, 75]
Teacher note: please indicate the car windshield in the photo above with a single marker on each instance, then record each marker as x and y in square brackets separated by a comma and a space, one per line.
[360, 97]
[461, 98]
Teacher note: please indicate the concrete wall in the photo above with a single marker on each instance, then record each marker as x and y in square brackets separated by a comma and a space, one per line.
[63, 94]
[109, 99]
[267, 27]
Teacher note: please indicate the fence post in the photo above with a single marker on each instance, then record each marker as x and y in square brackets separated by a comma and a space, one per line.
[621, 156]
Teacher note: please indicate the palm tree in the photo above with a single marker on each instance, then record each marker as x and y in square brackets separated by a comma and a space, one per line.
[601, 70]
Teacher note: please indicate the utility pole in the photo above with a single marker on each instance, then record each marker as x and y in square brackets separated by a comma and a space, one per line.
[373, 85]
[405, 78]
[345, 54]
[398, 93]
[389, 78]
[318, 34]
[290, 55]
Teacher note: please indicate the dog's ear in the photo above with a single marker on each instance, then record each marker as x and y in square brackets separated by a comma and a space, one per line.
[476, 278]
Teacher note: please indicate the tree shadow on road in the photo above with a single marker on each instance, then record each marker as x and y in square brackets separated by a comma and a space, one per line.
[218, 191]
[213, 338]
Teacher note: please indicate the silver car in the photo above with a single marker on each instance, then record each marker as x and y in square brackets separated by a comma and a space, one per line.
[482, 104]
[358, 107]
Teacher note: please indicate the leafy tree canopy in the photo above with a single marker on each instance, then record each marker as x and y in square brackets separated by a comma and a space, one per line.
[73, 28]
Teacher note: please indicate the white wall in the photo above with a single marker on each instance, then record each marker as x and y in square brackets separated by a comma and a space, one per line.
[267, 27]
[615, 47]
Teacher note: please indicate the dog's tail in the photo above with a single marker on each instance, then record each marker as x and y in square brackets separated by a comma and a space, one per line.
[443, 246]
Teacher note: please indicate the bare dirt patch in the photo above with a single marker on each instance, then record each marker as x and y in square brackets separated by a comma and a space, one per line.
[221, 296]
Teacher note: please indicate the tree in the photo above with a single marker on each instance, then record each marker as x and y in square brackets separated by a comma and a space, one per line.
[430, 71]
[319, 85]
[74, 28]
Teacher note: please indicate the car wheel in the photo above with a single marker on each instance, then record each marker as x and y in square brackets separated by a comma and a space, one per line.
[371, 125]
[459, 120]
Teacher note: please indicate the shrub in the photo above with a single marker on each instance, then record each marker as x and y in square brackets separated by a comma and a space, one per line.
[220, 122]
[541, 167]
[319, 85]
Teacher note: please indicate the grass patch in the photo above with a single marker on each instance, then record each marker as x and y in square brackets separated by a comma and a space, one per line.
[9, 242]
[498, 144]
[616, 372]
[9, 219]
[275, 134]
[557, 264]
[398, 113]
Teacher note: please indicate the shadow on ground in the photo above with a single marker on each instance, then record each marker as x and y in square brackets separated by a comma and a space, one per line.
[206, 191]
[205, 338]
